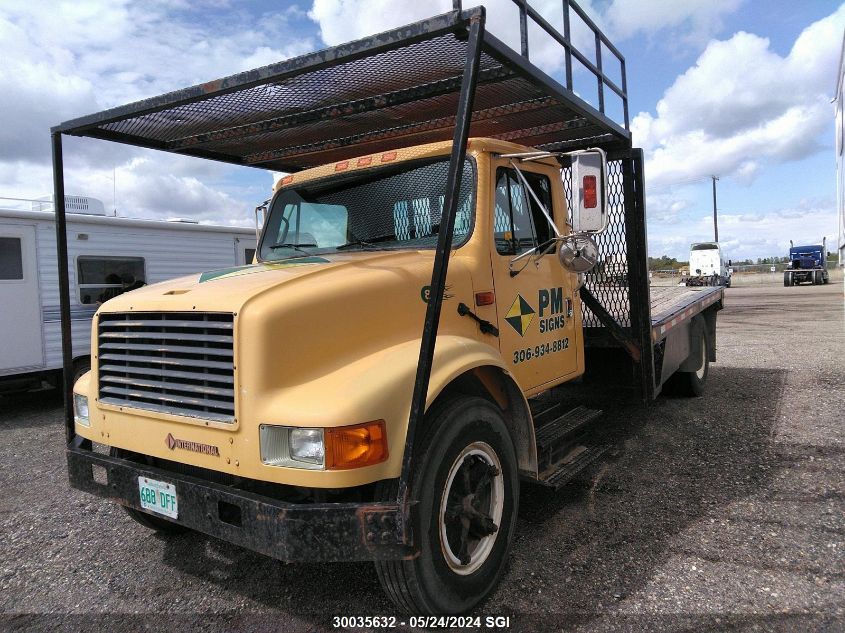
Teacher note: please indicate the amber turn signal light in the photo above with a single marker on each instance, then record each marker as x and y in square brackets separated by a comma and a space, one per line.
[355, 446]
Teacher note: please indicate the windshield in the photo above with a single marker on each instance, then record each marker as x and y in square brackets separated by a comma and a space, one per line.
[397, 207]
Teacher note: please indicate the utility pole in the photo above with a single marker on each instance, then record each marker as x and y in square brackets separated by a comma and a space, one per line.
[715, 218]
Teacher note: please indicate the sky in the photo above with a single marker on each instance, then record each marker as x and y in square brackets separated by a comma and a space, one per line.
[739, 89]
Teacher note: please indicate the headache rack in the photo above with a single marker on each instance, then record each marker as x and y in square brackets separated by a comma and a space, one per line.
[444, 78]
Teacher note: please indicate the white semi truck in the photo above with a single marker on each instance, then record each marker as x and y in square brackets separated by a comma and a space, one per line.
[707, 266]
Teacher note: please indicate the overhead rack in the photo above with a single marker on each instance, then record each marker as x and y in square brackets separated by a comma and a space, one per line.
[391, 90]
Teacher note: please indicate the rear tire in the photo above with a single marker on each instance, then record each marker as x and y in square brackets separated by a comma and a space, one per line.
[691, 383]
[465, 480]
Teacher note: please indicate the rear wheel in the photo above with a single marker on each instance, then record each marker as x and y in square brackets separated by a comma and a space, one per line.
[465, 480]
[691, 383]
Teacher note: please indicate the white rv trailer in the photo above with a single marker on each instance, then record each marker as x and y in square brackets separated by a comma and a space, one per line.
[106, 256]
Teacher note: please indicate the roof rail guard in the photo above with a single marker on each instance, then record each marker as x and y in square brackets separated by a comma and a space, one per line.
[570, 50]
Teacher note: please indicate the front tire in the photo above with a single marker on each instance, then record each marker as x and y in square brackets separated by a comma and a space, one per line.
[465, 480]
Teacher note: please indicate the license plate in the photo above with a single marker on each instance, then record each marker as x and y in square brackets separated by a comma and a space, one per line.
[158, 497]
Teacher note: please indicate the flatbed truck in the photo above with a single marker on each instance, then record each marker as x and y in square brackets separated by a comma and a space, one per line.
[375, 387]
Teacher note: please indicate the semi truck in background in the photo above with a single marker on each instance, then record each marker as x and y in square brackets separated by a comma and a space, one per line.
[707, 266]
[807, 264]
[377, 385]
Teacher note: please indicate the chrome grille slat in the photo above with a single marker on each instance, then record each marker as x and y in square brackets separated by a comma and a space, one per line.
[170, 362]
[149, 406]
[107, 368]
[163, 386]
[163, 397]
[166, 349]
[187, 362]
[181, 336]
[171, 323]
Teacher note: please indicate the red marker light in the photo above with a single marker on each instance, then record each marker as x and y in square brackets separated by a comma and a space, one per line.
[590, 192]
[487, 298]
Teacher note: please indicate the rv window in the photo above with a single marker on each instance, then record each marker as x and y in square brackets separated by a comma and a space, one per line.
[102, 278]
[11, 259]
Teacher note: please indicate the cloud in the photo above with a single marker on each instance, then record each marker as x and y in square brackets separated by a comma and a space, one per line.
[690, 20]
[74, 58]
[742, 105]
[751, 235]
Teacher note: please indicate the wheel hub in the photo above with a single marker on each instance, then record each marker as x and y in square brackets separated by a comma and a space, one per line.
[471, 508]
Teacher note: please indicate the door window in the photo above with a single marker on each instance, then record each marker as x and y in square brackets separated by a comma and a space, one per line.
[519, 223]
[11, 259]
[103, 278]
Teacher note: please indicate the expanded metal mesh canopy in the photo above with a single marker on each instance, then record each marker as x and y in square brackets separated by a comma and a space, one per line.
[395, 89]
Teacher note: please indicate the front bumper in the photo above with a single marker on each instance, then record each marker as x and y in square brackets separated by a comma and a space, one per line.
[292, 532]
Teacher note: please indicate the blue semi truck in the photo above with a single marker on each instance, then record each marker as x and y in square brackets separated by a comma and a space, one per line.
[807, 264]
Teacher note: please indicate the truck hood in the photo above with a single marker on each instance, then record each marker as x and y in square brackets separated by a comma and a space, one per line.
[230, 289]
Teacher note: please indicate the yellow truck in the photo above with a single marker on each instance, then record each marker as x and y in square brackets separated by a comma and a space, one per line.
[372, 386]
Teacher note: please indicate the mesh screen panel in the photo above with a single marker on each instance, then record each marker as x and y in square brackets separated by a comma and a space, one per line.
[301, 113]
[608, 281]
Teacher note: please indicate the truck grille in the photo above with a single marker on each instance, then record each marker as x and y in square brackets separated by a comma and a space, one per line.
[171, 362]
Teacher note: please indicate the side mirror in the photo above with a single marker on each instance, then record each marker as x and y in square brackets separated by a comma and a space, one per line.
[260, 210]
[578, 253]
[589, 191]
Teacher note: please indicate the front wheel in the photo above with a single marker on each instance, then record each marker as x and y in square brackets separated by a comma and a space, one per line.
[465, 481]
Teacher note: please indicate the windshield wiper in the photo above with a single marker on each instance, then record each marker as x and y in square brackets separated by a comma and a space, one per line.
[367, 244]
[296, 247]
[354, 243]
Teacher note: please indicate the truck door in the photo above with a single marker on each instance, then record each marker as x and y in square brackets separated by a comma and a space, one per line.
[535, 307]
[20, 316]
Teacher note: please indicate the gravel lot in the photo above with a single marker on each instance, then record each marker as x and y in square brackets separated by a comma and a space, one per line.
[726, 511]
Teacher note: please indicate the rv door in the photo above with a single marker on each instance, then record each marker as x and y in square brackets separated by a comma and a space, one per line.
[20, 320]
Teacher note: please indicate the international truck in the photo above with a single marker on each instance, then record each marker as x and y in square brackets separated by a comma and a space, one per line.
[107, 256]
[707, 266]
[807, 264]
[378, 385]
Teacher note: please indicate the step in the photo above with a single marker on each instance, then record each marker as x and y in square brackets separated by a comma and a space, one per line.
[563, 426]
[544, 412]
[563, 472]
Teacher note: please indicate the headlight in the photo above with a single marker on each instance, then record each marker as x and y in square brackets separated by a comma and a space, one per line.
[306, 445]
[291, 447]
[80, 409]
[335, 448]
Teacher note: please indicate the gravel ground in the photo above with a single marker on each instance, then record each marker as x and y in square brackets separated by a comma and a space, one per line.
[726, 511]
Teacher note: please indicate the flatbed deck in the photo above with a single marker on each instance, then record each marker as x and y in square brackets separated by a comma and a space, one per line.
[669, 305]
